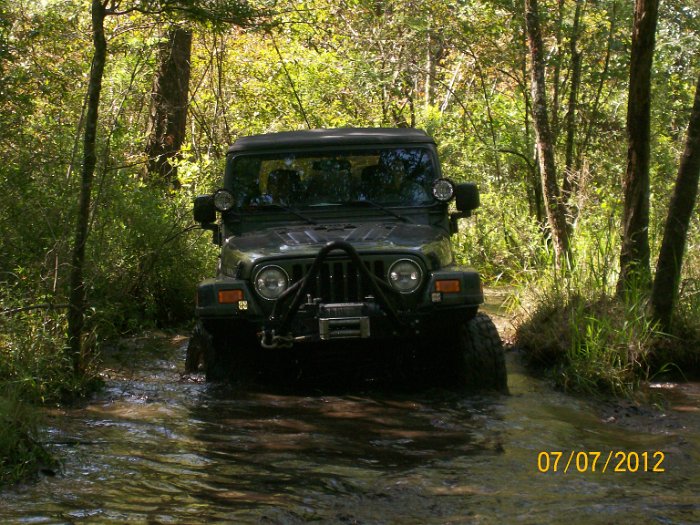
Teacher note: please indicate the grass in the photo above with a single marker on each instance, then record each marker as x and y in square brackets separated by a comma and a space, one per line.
[21, 454]
[590, 345]
[34, 371]
[679, 351]
[572, 326]
[589, 341]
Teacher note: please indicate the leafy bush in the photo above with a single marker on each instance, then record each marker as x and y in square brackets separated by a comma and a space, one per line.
[146, 257]
[34, 365]
[20, 452]
[591, 341]
[501, 240]
[34, 369]
[594, 344]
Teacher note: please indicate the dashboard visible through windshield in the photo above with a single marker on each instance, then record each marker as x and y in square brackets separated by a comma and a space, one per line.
[386, 177]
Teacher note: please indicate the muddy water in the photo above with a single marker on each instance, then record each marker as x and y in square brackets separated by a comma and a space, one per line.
[159, 447]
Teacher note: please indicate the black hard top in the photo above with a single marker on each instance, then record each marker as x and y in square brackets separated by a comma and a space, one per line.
[331, 137]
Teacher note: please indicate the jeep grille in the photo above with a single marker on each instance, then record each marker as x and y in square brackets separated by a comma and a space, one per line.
[339, 281]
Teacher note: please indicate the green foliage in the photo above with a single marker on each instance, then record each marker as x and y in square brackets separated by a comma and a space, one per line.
[589, 342]
[33, 366]
[502, 240]
[682, 346]
[21, 455]
[143, 260]
[457, 70]
[688, 310]
[33, 370]
[146, 258]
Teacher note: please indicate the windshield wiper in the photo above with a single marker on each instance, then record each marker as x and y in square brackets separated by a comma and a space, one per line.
[276, 206]
[365, 202]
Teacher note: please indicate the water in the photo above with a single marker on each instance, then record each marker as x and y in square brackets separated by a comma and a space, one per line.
[160, 447]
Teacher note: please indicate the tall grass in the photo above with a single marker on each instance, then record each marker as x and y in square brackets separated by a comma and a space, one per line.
[502, 240]
[588, 339]
[21, 454]
[592, 345]
[34, 364]
[34, 370]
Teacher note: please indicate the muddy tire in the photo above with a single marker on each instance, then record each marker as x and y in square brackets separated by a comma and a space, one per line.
[196, 349]
[479, 356]
[231, 355]
[222, 355]
[218, 365]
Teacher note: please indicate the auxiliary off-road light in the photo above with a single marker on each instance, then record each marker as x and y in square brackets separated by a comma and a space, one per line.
[405, 276]
[230, 296]
[271, 281]
[448, 286]
[223, 200]
[443, 190]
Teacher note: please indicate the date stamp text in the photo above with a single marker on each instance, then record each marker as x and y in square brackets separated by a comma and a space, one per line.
[615, 461]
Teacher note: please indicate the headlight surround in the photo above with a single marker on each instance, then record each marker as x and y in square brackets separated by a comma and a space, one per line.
[271, 281]
[405, 276]
[443, 190]
[223, 200]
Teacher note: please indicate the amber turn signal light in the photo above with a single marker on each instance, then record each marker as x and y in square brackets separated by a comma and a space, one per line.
[230, 296]
[448, 286]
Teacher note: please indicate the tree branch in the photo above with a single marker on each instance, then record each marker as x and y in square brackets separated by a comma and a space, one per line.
[47, 306]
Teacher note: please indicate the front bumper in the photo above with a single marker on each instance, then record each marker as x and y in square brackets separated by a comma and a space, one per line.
[299, 317]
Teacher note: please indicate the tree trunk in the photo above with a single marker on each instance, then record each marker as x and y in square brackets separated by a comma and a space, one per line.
[634, 253]
[430, 69]
[668, 268]
[556, 70]
[168, 119]
[568, 182]
[76, 311]
[533, 179]
[490, 120]
[556, 212]
[595, 107]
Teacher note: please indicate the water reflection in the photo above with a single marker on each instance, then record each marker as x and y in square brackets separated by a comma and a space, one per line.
[159, 447]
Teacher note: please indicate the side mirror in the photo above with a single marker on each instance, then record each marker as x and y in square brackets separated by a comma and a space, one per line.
[466, 200]
[466, 197]
[205, 214]
[204, 210]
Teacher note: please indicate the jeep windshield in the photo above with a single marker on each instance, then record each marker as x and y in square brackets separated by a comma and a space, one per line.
[383, 177]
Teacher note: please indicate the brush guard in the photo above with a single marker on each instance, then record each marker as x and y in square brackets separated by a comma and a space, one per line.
[336, 321]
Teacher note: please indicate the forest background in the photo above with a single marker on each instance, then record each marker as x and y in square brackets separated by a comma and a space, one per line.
[459, 70]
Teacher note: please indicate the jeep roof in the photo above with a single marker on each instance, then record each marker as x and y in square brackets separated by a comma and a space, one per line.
[331, 137]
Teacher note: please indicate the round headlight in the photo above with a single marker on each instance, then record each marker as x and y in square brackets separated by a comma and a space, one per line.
[405, 276]
[223, 200]
[271, 281]
[443, 190]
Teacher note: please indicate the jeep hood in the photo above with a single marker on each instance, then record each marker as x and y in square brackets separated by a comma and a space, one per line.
[430, 243]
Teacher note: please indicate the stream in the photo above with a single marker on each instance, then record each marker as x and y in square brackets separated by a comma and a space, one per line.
[158, 446]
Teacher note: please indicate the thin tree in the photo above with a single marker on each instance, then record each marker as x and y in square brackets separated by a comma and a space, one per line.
[664, 293]
[568, 182]
[634, 253]
[169, 99]
[76, 309]
[227, 11]
[554, 206]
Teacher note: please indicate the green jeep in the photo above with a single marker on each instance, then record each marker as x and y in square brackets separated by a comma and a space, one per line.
[340, 239]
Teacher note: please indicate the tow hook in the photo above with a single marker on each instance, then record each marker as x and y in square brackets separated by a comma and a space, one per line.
[270, 341]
